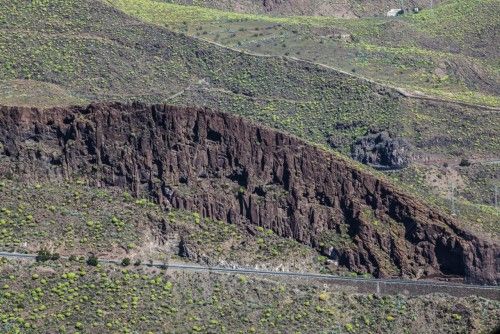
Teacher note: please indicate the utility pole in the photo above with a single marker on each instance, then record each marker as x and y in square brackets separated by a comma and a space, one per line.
[496, 196]
[452, 199]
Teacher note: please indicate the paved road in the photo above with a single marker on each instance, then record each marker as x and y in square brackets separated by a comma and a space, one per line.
[372, 285]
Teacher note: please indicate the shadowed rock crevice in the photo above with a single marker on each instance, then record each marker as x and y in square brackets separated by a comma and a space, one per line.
[229, 169]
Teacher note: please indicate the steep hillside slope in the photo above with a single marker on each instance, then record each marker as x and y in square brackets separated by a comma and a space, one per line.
[55, 53]
[449, 51]
[229, 169]
[87, 50]
[470, 24]
[73, 218]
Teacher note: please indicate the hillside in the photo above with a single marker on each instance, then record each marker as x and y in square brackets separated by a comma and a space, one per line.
[64, 52]
[249, 166]
[102, 54]
[405, 52]
[58, 296]
[66, 175]
[225, 168]
[335, 8]
[414, 52]
[75, 218]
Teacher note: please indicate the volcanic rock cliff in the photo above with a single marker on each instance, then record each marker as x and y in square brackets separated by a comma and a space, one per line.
[230, 169]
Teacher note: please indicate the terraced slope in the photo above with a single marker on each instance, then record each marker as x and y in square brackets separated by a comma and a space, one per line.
[228, 169]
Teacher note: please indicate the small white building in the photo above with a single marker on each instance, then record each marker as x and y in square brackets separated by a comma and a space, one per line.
[395, 12]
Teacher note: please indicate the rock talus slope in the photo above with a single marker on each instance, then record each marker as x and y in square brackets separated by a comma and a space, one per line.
[230, 169]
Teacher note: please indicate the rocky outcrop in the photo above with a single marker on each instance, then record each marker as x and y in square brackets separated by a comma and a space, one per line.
[227, 168]
[380, 150]
[184, 250]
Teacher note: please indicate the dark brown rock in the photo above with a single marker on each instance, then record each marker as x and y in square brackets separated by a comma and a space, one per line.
[381, 150]
[227, 168]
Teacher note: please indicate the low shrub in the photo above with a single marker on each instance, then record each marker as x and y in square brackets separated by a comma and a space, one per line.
[126, 262]
[44, 255]
[92, 260]
[464, 163]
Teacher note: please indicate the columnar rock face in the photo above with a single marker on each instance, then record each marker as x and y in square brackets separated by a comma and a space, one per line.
[230, 169]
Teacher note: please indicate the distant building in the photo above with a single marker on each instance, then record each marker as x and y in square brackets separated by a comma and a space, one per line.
[395, 12]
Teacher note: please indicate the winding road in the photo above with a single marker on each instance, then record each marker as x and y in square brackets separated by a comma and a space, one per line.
[403, 92]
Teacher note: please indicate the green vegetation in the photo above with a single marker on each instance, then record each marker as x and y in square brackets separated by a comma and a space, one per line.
[95, 53]
[396, 52]
[44, 255]
[461, 20]
[473, 194]
[70, 217]
[85, 220]
[31, 92]
[92, 261]
[68, 298]
[479, 182]
[86, 50]
[232, 244]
